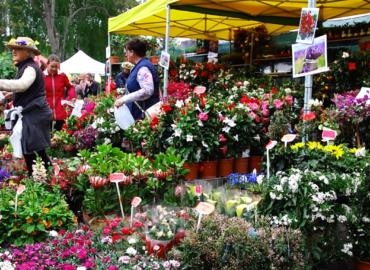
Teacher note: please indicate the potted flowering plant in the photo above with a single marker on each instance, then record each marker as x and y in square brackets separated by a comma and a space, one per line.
[17, 169]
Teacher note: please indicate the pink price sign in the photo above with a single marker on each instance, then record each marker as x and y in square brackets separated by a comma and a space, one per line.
[198, 190]
[116, 177]
[205, 208]
[135, 201]
[271, 145]
[288, 138]
[329, 134]
[21, 189]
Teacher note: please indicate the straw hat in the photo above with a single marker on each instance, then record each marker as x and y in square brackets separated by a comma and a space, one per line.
[24, 43]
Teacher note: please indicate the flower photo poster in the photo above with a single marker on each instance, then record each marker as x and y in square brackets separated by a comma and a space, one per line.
[310, 59]
[307, 25]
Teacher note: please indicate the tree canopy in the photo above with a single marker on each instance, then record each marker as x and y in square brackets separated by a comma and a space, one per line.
[61, 26]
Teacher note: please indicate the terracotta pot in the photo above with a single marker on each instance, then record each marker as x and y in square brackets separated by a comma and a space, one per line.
[193, 174]
[360, 265]
[209, 169]
[69, 148]
[114, 59]
[53, 144]
[225, 167]
[241, 165]
[87, 217]
[255, 163]
[16, 178]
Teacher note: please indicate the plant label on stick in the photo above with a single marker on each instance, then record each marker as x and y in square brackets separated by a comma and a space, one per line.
[135, 201]
[271, 145]
[328, 134]
[205, 208]
[116, 177]
[198, 190]
[288, 138]
[21, 189]
[56, 169]
[199, 89]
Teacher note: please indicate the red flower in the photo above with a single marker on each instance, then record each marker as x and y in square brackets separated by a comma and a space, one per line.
[289, 100]
[352, 66]
[62, 232]
[173, 72]
[166, 108]
[70, 132]
[309, 116]
[138, 153]
[78, 125]
[126, 230]
[222, 138]
[274, 90]
[223, 150]
[244, 99]
[115, 238]
[154, 122]
[202, 103]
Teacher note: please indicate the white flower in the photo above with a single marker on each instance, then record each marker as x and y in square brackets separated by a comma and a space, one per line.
[81, 268]
[200, 123]
[178, 132]
[360, 152]
[272, 195]
[288, 90]
[107, 141]
[156, 247]
[246, 83]
[345, 55]
[236, 137]
[197, 108]
[324, 179]
[342, 219]
[366, 219]
[314, 102]
[53, 234]
[260, 179]
[226, 129]
[229, 122]
[179, 103]
[131, 251]
[132, 240]
[278, 188]
[204, 144]
[189, 138]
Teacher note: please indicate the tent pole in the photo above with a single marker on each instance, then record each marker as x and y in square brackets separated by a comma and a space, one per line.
[308, 82]
[166, 46]
[109, 63]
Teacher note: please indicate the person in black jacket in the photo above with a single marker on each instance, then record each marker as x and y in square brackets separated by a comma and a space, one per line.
[91, 87]
[31, 130]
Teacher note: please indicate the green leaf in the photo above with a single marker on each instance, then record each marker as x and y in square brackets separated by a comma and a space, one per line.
[295, 200]
[31, 228]
[18, 242]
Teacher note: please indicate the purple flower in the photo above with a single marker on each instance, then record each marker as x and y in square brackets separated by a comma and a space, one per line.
[22, 42]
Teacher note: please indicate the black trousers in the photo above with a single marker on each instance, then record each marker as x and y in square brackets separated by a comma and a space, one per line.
[58, 125]
[31, 157]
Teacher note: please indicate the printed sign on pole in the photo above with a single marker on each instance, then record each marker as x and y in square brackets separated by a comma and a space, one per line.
[135, 201]
[205, 208]
[329, 134]
[116, 177]
[288, 138]
[271, 145]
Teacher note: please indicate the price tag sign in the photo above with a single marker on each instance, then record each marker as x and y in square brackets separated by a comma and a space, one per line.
[135, 201]
[21, 189]
[116, 177]
[271, 145]
[329, 134]
[198, 190]
[205, 208]
[56, 169]
[288, 138]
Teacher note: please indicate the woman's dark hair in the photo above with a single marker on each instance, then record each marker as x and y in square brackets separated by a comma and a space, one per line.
[138, 46]
[42, 65]
[53, 58]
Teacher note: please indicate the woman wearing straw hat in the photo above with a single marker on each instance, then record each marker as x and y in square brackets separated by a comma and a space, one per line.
[31, 111]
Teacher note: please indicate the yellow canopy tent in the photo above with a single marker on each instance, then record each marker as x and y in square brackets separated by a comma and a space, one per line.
[213, 19]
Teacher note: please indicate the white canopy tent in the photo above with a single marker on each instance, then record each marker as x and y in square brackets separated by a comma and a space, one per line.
[82, 63]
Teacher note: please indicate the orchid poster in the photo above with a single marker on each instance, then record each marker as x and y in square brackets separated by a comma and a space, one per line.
[307, 25]
[310, 59]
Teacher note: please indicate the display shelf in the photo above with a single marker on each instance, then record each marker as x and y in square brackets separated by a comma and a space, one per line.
[347, 39]
[272, 59]
[240, 65]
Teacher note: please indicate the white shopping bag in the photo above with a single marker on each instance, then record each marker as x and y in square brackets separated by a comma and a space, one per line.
[123, 117]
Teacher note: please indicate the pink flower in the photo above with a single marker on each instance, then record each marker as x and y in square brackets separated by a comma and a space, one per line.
[82, 254]
[252, 114]
[106, 231]
[254, 106]
[203, 116]
[265, 112]
[222, 138]
[223, 150]
[265, 104]
[134, 130]
[114, 224]
[266, 95]
[221, 117]
[278, 104]
[289, 100]
[143, 143]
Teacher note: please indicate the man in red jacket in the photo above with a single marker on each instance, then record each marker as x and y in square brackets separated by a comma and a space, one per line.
[55, 82]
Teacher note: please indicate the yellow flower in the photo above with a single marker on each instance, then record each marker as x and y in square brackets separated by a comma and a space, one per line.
[353, 150]
[297, 145]
[45, 210]
[29, 220]
[76, 219]
[11, 202]
[337, 151]
[60, 223]
[20, 203]
[12, 40]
